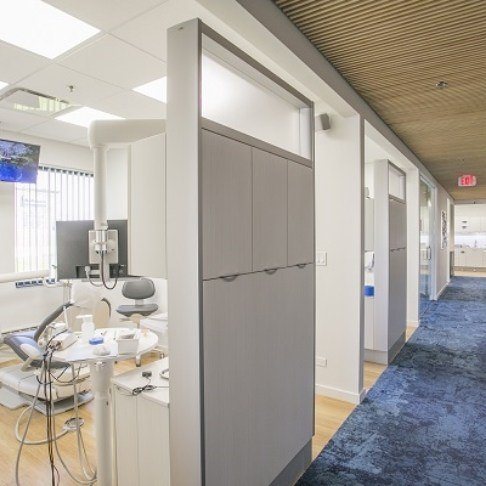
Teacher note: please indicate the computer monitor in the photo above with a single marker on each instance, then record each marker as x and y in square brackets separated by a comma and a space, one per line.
[73, 249]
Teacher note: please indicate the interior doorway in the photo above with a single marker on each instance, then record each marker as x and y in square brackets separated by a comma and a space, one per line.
[425, 245]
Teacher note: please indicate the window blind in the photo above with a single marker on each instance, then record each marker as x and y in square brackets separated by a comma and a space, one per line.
[59, 195]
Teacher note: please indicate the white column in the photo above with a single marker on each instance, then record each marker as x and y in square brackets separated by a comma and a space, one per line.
[339, 284]
[183, 70]
[413, 246]
[100, 187]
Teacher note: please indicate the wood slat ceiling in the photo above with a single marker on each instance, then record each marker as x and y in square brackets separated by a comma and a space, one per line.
[393, 52]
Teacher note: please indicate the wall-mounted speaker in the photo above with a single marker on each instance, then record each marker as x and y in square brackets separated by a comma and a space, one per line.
[323, 122]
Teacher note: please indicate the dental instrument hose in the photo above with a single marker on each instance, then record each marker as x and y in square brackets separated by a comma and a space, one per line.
[46, 379]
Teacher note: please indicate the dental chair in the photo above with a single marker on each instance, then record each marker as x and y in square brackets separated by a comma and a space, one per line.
[18, 383]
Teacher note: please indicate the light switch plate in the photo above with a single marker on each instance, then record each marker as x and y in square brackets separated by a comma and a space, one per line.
[321, 258]
[322, 362]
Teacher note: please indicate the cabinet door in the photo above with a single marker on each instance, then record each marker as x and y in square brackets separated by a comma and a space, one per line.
[227, 206]
[300, 214]
[126, 445]
[461, 258]
[397, 320]
[398, 224]
[153, 430]
[258, 337]
[269, 211]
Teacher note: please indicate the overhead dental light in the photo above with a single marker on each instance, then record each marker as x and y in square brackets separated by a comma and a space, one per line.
[41, 28]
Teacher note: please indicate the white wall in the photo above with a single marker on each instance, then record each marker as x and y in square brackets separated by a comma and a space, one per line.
[339, 285]
[40, 300]
[117, 184]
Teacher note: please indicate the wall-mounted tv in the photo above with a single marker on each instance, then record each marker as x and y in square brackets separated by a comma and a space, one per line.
[19, 161]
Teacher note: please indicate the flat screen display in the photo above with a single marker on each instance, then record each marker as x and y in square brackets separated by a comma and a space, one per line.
[19, 161]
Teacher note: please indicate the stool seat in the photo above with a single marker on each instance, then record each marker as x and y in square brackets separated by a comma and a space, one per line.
[142, 309]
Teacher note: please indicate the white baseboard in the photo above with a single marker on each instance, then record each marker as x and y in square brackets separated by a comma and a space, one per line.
[338, 394]
[439, 293]
[413, 323]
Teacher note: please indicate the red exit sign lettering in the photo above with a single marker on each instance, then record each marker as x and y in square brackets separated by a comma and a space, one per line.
[467, 180]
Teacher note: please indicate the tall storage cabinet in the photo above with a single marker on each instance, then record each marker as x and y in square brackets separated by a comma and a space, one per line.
[240, 242]
[386, 310]
[258, 310]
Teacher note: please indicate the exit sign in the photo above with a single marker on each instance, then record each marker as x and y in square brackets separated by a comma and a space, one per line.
[467, 180]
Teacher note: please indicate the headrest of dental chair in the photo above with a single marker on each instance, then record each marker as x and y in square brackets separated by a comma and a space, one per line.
[15, 341]
[140, 289]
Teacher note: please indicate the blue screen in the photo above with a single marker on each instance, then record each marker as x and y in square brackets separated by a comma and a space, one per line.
[18, 161]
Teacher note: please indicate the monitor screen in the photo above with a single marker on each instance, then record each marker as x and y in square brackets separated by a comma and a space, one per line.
[18, 161]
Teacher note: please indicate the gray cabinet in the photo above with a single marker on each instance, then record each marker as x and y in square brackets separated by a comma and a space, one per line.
[300, 214]
[226, 206]
[258, 338]
[398, 224]
[397, 304]
[269, 210]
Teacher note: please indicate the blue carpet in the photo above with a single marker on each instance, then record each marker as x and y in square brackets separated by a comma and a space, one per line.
[424, 422]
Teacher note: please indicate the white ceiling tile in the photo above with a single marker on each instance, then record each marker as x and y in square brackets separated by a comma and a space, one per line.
[116, 62]
[129, 104]
[16, 121]
[149, 31]
[57, 130]
[104, 14]
[15, 63]
[54, 80]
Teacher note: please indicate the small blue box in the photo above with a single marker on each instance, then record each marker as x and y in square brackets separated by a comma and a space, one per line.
[369, 290]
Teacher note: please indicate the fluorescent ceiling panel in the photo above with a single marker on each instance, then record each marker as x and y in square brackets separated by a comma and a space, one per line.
[2, 84]
[155, 89]
[84, 116]
[41, 28]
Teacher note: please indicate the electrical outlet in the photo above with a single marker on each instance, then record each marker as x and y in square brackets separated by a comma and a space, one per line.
[321, 258]
[322, 362]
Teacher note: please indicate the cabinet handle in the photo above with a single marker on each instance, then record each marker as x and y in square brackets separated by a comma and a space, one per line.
[229, 278]
[270, 271]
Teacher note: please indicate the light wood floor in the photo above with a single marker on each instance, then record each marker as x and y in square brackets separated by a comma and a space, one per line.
[34, 471]
[34, 465]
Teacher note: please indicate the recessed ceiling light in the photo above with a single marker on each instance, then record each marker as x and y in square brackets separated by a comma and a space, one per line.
[2, 84]
[84, 116]
[41, 28]
[155, 89]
